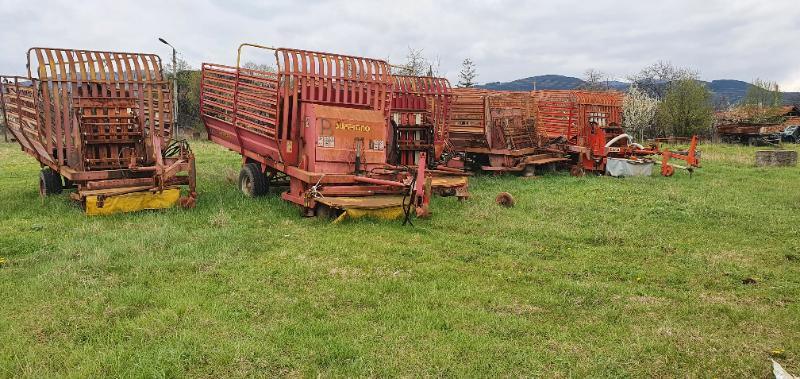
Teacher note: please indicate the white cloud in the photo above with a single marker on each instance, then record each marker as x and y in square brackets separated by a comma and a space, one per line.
[737, 39]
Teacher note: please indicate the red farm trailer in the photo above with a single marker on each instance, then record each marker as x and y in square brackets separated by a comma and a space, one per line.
[100, 122]
[497, 132]
[587, 126]
[319, 120]
[419, 124]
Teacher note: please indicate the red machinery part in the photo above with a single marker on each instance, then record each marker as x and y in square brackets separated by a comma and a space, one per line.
[420, 116]
[587, 125]
[420, 122]
[104, 122]
[497, 130]
[320, 119]
[565, 114]
[667, 169]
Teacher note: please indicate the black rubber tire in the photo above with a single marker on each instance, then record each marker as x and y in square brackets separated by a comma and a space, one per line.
[49, 182]
[529, 171]
[324, 212]
[253, 182]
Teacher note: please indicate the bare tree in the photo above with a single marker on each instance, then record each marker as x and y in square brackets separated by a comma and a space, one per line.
[259, 66]
[763, 103]
[466, 78]
[182, 65]
[639, 112]
[594, 80]
[655, 79]
[417, 64]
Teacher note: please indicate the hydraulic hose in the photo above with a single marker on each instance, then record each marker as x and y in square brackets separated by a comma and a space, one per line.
[621, 136]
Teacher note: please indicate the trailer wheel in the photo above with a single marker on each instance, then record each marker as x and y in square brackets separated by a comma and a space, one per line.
[252, 181]
[49, 182]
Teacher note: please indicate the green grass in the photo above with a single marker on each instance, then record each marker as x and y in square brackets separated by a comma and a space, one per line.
[593, 276]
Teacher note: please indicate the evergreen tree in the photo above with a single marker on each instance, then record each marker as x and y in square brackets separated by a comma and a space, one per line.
[466, 78]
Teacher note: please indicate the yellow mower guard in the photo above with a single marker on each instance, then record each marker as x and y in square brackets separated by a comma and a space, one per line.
[131, 202]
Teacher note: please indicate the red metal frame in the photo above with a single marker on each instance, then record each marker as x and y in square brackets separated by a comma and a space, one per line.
[567, 114]
[100, 119]
[420, 116]
[321, 119]
[468, 118]
[587, 125]
[498, 129]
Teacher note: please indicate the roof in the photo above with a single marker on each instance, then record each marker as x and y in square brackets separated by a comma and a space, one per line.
[745, 114]
[790, 110]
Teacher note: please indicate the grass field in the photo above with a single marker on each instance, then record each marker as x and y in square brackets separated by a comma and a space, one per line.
[595, 276]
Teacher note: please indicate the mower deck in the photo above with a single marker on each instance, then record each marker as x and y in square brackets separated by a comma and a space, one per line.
[385, 207]
[122, 200]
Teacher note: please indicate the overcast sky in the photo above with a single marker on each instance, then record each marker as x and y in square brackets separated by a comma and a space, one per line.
[729, 39]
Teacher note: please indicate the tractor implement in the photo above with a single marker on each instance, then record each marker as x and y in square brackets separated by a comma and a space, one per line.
[419, 124]
[585, 125]
[100, 122]
[319, 121]
[496, 132]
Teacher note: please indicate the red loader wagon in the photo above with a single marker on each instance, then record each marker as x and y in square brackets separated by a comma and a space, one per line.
[566, 114]
[100, 122]
[420, 121]
[420, 110]
[468, 117]
[582, 122]
[319, 120]
[587, 126]
[496, 130]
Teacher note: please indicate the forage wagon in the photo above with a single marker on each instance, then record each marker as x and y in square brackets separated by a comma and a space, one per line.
[419, 124]
[497, 132]
[319, 121]
[100, 122]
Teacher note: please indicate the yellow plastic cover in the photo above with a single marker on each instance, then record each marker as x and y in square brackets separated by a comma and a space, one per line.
[132, 202]
[390, 213]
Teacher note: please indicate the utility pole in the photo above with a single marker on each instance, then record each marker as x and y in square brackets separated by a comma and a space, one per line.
[174, 88]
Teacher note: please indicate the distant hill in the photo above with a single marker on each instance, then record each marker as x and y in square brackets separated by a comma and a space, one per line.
[731, 90]
[551, 82]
